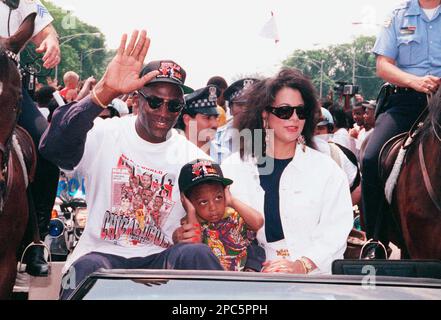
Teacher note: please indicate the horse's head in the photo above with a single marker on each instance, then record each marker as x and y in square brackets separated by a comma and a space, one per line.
[10, 91]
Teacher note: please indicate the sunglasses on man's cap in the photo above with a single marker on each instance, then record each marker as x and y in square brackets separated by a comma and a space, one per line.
[285, 112]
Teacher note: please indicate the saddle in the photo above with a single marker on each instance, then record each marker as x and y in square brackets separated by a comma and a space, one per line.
[28, 150]
[394, 154]
[388, 155]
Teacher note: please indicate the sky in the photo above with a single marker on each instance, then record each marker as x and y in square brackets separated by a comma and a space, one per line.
[209, 38]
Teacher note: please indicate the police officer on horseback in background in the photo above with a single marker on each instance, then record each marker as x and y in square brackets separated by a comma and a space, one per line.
[44, 187]
[408, 52]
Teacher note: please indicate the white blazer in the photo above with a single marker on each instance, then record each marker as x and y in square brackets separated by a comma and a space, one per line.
[315, 204]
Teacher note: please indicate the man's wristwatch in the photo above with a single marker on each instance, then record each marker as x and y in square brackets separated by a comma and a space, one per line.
[306, 264]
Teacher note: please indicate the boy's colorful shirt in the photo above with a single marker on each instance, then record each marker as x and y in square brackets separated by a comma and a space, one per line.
[228, 239]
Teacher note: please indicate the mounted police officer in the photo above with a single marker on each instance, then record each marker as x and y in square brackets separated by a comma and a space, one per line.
[44, 187]
[408, 52]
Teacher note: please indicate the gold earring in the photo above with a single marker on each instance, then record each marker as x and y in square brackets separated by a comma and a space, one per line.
[302, 142]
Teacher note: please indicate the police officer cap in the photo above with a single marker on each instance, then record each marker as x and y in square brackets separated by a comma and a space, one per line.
[326, 118]
[234, 93]
[369, 104]
[203, 101]
[358, 106]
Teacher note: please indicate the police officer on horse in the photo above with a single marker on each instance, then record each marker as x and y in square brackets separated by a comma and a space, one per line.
[43, 189]
[408, 52]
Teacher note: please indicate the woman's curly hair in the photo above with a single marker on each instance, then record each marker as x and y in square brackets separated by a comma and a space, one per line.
[263, 93]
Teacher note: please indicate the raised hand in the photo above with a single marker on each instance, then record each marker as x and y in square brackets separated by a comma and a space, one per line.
[122, 74]
[228, 198]
[190, 229]
[190, 209]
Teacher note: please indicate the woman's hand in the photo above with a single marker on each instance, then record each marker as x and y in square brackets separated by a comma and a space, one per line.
[284, 266]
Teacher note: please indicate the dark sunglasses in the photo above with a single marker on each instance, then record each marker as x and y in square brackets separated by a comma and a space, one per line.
[286, 112]
[156, 102]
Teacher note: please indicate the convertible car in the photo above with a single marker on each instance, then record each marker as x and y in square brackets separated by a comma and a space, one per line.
[352, 280]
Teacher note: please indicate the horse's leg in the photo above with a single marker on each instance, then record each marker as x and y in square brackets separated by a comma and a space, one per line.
[8, 273]
[13, 223]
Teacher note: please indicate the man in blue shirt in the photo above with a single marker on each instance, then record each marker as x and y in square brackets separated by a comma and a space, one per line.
[408, 52]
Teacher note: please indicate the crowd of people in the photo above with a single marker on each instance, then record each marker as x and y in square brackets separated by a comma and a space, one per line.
[259, 175]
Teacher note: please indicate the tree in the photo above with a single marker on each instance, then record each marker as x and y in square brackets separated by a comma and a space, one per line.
[338, 65]
[93, 62]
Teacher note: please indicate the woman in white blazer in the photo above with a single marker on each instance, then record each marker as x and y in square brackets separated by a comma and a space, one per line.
[304, 194]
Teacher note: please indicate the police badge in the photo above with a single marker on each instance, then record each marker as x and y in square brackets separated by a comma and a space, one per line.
[213, 96]
[247, 83]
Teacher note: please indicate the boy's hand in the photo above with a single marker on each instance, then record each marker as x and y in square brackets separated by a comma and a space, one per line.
[190, 209]
[229, 198]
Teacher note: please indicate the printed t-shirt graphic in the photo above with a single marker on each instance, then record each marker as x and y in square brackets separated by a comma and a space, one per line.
[140, 204]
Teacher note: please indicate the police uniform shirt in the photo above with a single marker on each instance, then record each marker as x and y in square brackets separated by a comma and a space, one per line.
[18, 15]
[412, 40]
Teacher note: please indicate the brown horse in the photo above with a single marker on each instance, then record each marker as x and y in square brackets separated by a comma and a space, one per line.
[13, 178]
[417, 196]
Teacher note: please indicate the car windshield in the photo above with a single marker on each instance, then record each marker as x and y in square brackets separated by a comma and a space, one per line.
[181, 285]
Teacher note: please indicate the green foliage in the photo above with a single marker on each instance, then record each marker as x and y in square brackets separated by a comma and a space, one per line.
[88, 49]
[338, 65]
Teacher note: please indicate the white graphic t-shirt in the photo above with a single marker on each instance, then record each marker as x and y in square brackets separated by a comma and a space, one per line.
[132, 190]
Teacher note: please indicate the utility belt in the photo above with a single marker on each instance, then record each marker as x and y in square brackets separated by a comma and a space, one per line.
[388, 90]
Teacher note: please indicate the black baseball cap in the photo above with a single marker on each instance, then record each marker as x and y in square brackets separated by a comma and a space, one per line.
[169, 72]
[200, 171]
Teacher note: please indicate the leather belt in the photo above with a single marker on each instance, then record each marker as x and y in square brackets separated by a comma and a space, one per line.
[403, 90]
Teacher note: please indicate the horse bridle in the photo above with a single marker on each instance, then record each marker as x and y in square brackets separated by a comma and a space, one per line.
[13, 56]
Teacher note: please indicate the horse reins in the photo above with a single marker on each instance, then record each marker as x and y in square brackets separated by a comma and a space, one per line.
[424, 172]
[5, 149]
[426, 178]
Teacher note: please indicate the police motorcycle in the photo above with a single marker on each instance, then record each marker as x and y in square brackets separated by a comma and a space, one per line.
[68, 220]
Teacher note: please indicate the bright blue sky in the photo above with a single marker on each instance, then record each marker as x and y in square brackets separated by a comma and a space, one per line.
[222, 37]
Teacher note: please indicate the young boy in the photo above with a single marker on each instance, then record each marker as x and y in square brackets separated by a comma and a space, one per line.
[227, 225]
